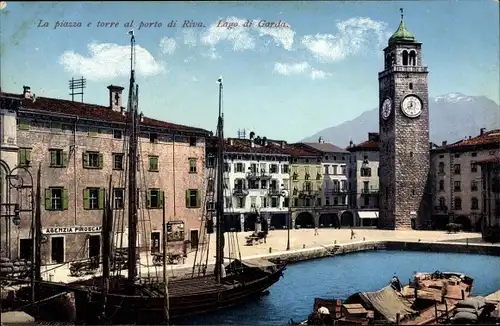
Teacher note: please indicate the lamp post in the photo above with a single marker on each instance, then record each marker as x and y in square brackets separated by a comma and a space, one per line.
[289, 216]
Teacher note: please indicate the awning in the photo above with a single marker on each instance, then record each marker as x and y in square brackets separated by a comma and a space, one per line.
[368, 214]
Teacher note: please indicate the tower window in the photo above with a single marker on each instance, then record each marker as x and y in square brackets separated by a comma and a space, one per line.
[411, 154]
[410, 86]
[413, 191]
[413, 58]
[405, 58]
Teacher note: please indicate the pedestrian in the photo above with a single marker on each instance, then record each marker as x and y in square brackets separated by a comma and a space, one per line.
[353, 236]
[316, 230]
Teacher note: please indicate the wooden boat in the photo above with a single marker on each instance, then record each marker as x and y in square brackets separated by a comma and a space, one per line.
[430, 298]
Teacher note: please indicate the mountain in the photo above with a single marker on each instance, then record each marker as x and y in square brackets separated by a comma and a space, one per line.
[452, 117]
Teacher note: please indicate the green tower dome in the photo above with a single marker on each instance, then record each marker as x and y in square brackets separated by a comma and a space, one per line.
[402, 34]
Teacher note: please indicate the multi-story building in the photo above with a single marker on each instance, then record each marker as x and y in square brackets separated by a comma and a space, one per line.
[490, 170]
[363, 175]
[457, 181]
[332, 198]
[79, 147]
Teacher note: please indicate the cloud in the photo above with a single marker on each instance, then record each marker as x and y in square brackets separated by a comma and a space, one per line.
[301, 68]
[189, 37]
[353, 36]
[245, 38]
[167, 45]
[109, 60]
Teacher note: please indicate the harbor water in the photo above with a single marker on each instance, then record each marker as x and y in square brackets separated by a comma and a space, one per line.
[338, 277]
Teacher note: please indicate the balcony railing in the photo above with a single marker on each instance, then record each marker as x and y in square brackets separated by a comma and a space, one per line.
[336, 191]
[258, 175]
[274, 192]
[441, 208]
[399, 68]
[240, 191]
[370, 191]
[308, 193]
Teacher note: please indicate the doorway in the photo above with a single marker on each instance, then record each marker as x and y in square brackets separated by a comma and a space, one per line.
[25, 249]
[57, 250]
[155, 241]
[195, 239]
[94, 249]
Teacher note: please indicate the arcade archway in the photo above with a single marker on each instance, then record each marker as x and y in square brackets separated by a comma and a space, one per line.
[465, 222]
[347, 219]
[329, 220]
[278, 221]
[249, 224]
[232, 223]
[304, 220]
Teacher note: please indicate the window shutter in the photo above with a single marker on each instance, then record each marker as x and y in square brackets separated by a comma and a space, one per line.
[228, 167]
[22, 156]
[100, 199]
[187, 198]
[65, 199]
[65, 159]
[161, 198]
[198, 199]
[86, 204]
[28, 156]
[148, 199]
[85, 159]
[48, 199]
[151, 165]
[101, 162]
[244, 166]
[53, 157]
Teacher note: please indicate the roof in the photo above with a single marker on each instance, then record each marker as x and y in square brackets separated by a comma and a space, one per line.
[93, 111]
[325, 147]
[388, 303]
[367, 145]
[491, 138]
[493, 160]
[402, 34]
[272, 147]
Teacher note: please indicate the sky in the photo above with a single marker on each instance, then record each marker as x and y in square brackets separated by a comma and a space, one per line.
[316, 69]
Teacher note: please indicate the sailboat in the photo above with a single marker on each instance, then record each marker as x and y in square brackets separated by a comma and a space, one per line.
[125, 300]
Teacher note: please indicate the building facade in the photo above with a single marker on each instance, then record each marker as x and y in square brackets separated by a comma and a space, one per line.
[457, 181]
[78, 148]
[490, 226]
[404, 133]
[363, 174]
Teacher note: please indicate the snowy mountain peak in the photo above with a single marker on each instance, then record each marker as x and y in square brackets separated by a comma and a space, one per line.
[453, 98]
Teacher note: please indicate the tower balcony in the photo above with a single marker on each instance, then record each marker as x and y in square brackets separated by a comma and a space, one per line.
[400, 68]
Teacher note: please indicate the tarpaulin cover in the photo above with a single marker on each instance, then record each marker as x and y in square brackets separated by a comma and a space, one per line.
[388, 303]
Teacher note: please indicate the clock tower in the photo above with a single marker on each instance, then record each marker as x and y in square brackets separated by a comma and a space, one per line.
[404, 133]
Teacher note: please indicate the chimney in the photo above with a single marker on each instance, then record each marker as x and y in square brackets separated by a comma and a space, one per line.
[320, 140]
[373, 136]
[252, 143]
[481, 131]
[444, 143]
[282, 143]
[230, 142]
[115, 98]
[27, 92]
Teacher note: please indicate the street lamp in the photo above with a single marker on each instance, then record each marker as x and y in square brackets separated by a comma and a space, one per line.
[16, 219]
[288, 219]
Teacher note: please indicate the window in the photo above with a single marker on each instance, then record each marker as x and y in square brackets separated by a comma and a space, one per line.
[441, 185]
[56, 199]
[285, 168]
[441, 167]
[442, 202]
[24, 156]
[458, 203]
[335, 169]
[457, 155]
[154, 198]
[117, 134]
[227, 167]
[240, 167]
[118, 198]
[286, 202]
[274, 202]
[153, 137]
[153, 163]
[192, 141]
[473, 185]
[285, 184]
[192, 165]
[23, 124]
[366, 172]
[228, 202]
[58, 158]
[263, 201]
[456, 168]
[318, 201]
[441, 156]
[93, 132]
[273, 168]
[473, 154]
[263, 184]
[410, 86]
[93, 198]
[55, 127]
[327, 169]
[210, 161]
[193, 198]
[474, 203]
[473, 167]
[456, 186]
[117, 161]
[93, 160]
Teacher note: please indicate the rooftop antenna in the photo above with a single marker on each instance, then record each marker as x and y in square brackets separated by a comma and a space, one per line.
[402, 13]
[77, 84]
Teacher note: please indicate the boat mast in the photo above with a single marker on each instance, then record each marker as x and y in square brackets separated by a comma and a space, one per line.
[132, 168]
[219, 236]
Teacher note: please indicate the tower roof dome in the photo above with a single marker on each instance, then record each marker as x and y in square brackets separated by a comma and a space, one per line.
[402, 34]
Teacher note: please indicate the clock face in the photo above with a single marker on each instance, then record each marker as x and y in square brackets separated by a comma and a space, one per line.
[386, 108]
[411, 106]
